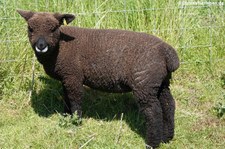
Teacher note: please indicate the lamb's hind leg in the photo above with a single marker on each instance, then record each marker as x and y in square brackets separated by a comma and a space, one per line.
[150, 106]
[168, 108]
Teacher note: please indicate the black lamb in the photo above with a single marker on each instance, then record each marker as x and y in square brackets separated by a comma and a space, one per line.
[108, 60]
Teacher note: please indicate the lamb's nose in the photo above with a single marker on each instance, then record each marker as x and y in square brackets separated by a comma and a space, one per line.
[41, 43]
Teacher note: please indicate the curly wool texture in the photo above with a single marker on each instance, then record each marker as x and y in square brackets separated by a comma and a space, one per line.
[112, 61]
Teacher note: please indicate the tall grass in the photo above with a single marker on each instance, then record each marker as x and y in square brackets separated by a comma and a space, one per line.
[197, 32]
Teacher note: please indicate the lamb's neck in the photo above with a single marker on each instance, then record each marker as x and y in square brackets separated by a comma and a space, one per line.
[49, 64]
[47, 59]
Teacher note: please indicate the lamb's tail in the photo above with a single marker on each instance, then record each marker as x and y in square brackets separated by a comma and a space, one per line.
[172, 60]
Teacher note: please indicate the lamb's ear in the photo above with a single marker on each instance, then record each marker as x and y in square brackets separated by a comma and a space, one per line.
[26, 14]
[67, 17]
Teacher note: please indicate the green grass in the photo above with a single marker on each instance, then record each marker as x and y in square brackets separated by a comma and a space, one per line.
[113, 120]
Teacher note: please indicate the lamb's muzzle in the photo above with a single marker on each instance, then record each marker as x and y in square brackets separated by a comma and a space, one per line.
[41, 46]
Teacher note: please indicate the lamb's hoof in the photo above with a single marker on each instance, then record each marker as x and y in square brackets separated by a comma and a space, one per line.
[67, 111]
[151, 147]
[167, 139]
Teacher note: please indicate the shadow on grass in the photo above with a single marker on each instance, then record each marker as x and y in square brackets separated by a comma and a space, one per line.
[48, 101]
[96, 104]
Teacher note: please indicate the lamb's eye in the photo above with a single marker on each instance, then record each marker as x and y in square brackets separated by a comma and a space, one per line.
[54, 29]
[30, 29]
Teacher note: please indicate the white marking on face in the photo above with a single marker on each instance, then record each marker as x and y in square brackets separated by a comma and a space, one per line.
[41, 51]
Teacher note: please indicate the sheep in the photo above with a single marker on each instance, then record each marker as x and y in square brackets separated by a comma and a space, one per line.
[110, 60]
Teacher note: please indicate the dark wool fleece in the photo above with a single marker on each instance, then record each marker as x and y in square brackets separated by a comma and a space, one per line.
[108, 60]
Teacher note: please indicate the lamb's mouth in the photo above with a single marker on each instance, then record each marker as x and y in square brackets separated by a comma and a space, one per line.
[41, 50]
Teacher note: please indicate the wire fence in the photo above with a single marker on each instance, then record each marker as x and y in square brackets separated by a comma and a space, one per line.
[195, 29]
[207, 17]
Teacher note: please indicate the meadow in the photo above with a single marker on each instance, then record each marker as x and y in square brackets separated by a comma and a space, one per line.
[31, 103]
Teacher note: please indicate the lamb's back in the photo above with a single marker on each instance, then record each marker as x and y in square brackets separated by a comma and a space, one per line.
[120, 49]
[108, 58]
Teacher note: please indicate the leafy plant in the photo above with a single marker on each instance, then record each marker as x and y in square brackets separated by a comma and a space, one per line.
[219, 110]
[67, 120]
[223, 80]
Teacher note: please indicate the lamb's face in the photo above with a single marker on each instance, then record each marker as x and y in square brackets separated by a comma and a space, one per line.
[44, 29]
[43, 32]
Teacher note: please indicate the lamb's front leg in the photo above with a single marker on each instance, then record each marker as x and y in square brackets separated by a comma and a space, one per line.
[73, 91]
